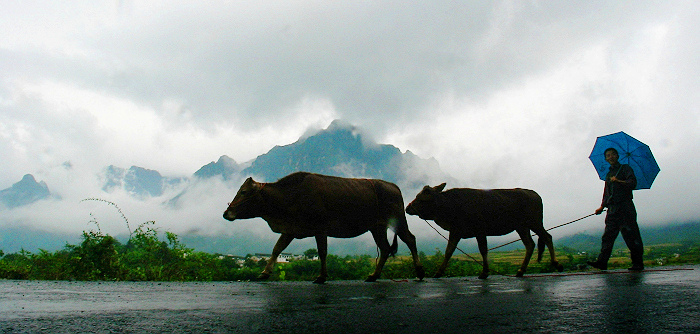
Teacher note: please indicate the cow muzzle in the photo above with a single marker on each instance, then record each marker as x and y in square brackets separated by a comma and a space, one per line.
[411, 210]
[230, 216]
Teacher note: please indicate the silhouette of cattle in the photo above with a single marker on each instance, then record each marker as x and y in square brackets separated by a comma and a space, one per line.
[303, 205]
[468, 213]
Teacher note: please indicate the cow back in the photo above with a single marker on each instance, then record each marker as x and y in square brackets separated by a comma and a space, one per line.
[472, 212]
[341, 206]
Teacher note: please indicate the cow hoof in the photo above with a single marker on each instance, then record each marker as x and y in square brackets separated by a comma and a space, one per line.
[520, 273]
[263, 276]
[560, 268]
[420, 273]
[371, 279]
[319, 280]
[483, 276]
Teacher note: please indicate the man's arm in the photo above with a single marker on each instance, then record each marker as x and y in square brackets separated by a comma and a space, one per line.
[628, 179]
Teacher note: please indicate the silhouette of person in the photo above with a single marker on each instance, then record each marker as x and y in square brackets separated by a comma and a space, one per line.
[621, 216]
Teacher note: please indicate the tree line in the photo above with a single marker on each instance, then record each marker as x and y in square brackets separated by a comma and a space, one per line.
[147, 256]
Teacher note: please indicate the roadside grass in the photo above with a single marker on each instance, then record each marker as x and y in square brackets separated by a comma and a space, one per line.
[150, 256]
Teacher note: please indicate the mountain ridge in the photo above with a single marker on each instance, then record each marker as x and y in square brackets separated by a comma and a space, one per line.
[339, 150]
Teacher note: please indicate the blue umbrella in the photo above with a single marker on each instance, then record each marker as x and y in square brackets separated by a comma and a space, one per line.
[632, 152]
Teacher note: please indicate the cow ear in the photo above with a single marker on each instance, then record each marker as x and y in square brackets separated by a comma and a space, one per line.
[254, 185]
[440, 187]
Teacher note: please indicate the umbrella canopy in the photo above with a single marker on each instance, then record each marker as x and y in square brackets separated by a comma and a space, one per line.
[632, 152]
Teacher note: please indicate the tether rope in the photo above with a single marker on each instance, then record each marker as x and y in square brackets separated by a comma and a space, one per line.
[480, 262]
[463, 252]
[551, 228]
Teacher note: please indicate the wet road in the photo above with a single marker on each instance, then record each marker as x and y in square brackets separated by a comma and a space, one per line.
[616, 302]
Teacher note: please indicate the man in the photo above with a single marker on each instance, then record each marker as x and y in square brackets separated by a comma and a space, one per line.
[621, 216]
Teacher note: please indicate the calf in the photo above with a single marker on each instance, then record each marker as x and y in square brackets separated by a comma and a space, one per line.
[468, 213]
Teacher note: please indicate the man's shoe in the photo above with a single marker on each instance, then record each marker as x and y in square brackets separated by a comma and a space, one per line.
[636, 268]
[601, 266]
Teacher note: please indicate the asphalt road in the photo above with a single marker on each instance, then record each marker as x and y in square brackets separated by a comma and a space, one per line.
[654, 301]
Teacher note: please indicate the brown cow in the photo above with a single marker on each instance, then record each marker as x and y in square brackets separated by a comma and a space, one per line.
[302, 205]
[468, 213]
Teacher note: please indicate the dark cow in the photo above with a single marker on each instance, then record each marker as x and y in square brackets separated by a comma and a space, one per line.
[468, 213]
[303, 205]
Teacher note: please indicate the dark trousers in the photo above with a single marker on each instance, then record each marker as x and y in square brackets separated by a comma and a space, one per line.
[622, 218]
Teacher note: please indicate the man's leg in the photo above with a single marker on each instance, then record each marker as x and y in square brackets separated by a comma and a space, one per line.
[633, 239]
[612, 229]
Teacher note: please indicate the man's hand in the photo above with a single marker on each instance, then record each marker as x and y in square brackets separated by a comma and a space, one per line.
[599, 210]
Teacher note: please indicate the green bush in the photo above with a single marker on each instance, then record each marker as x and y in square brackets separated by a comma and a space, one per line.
[16, 266]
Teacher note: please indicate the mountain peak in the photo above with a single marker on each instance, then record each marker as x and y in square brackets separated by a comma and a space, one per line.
[339, 150]
[24, 192]
[27, 178]
[138, 181]
[340, 124]
[224, 167]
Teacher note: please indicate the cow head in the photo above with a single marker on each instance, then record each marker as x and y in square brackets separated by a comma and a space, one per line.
[247, 202]
[424, 204]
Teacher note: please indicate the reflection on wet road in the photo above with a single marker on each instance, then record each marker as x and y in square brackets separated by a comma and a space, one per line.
[619, 301]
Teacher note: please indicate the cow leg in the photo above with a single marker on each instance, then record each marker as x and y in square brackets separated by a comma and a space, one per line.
[410, 240]
[484, 250]
[281, 244]
[322, 244]
[379, 235]
[529, 248]
[452, 242]
[543, 235]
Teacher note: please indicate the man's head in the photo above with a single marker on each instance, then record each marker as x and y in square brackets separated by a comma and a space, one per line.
[611, 156]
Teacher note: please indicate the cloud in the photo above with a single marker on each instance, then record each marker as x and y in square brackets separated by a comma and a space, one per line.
[501, 94]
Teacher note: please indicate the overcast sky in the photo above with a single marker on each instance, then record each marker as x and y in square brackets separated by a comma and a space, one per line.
[501, 93]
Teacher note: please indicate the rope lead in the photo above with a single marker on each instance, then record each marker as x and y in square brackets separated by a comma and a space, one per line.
[551, 228]
[479, 262]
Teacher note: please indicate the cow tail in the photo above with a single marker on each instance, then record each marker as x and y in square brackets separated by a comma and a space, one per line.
[394, 246]
[540, 248]
[395, 224]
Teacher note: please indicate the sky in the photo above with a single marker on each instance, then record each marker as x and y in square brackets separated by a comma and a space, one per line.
[503, 94]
